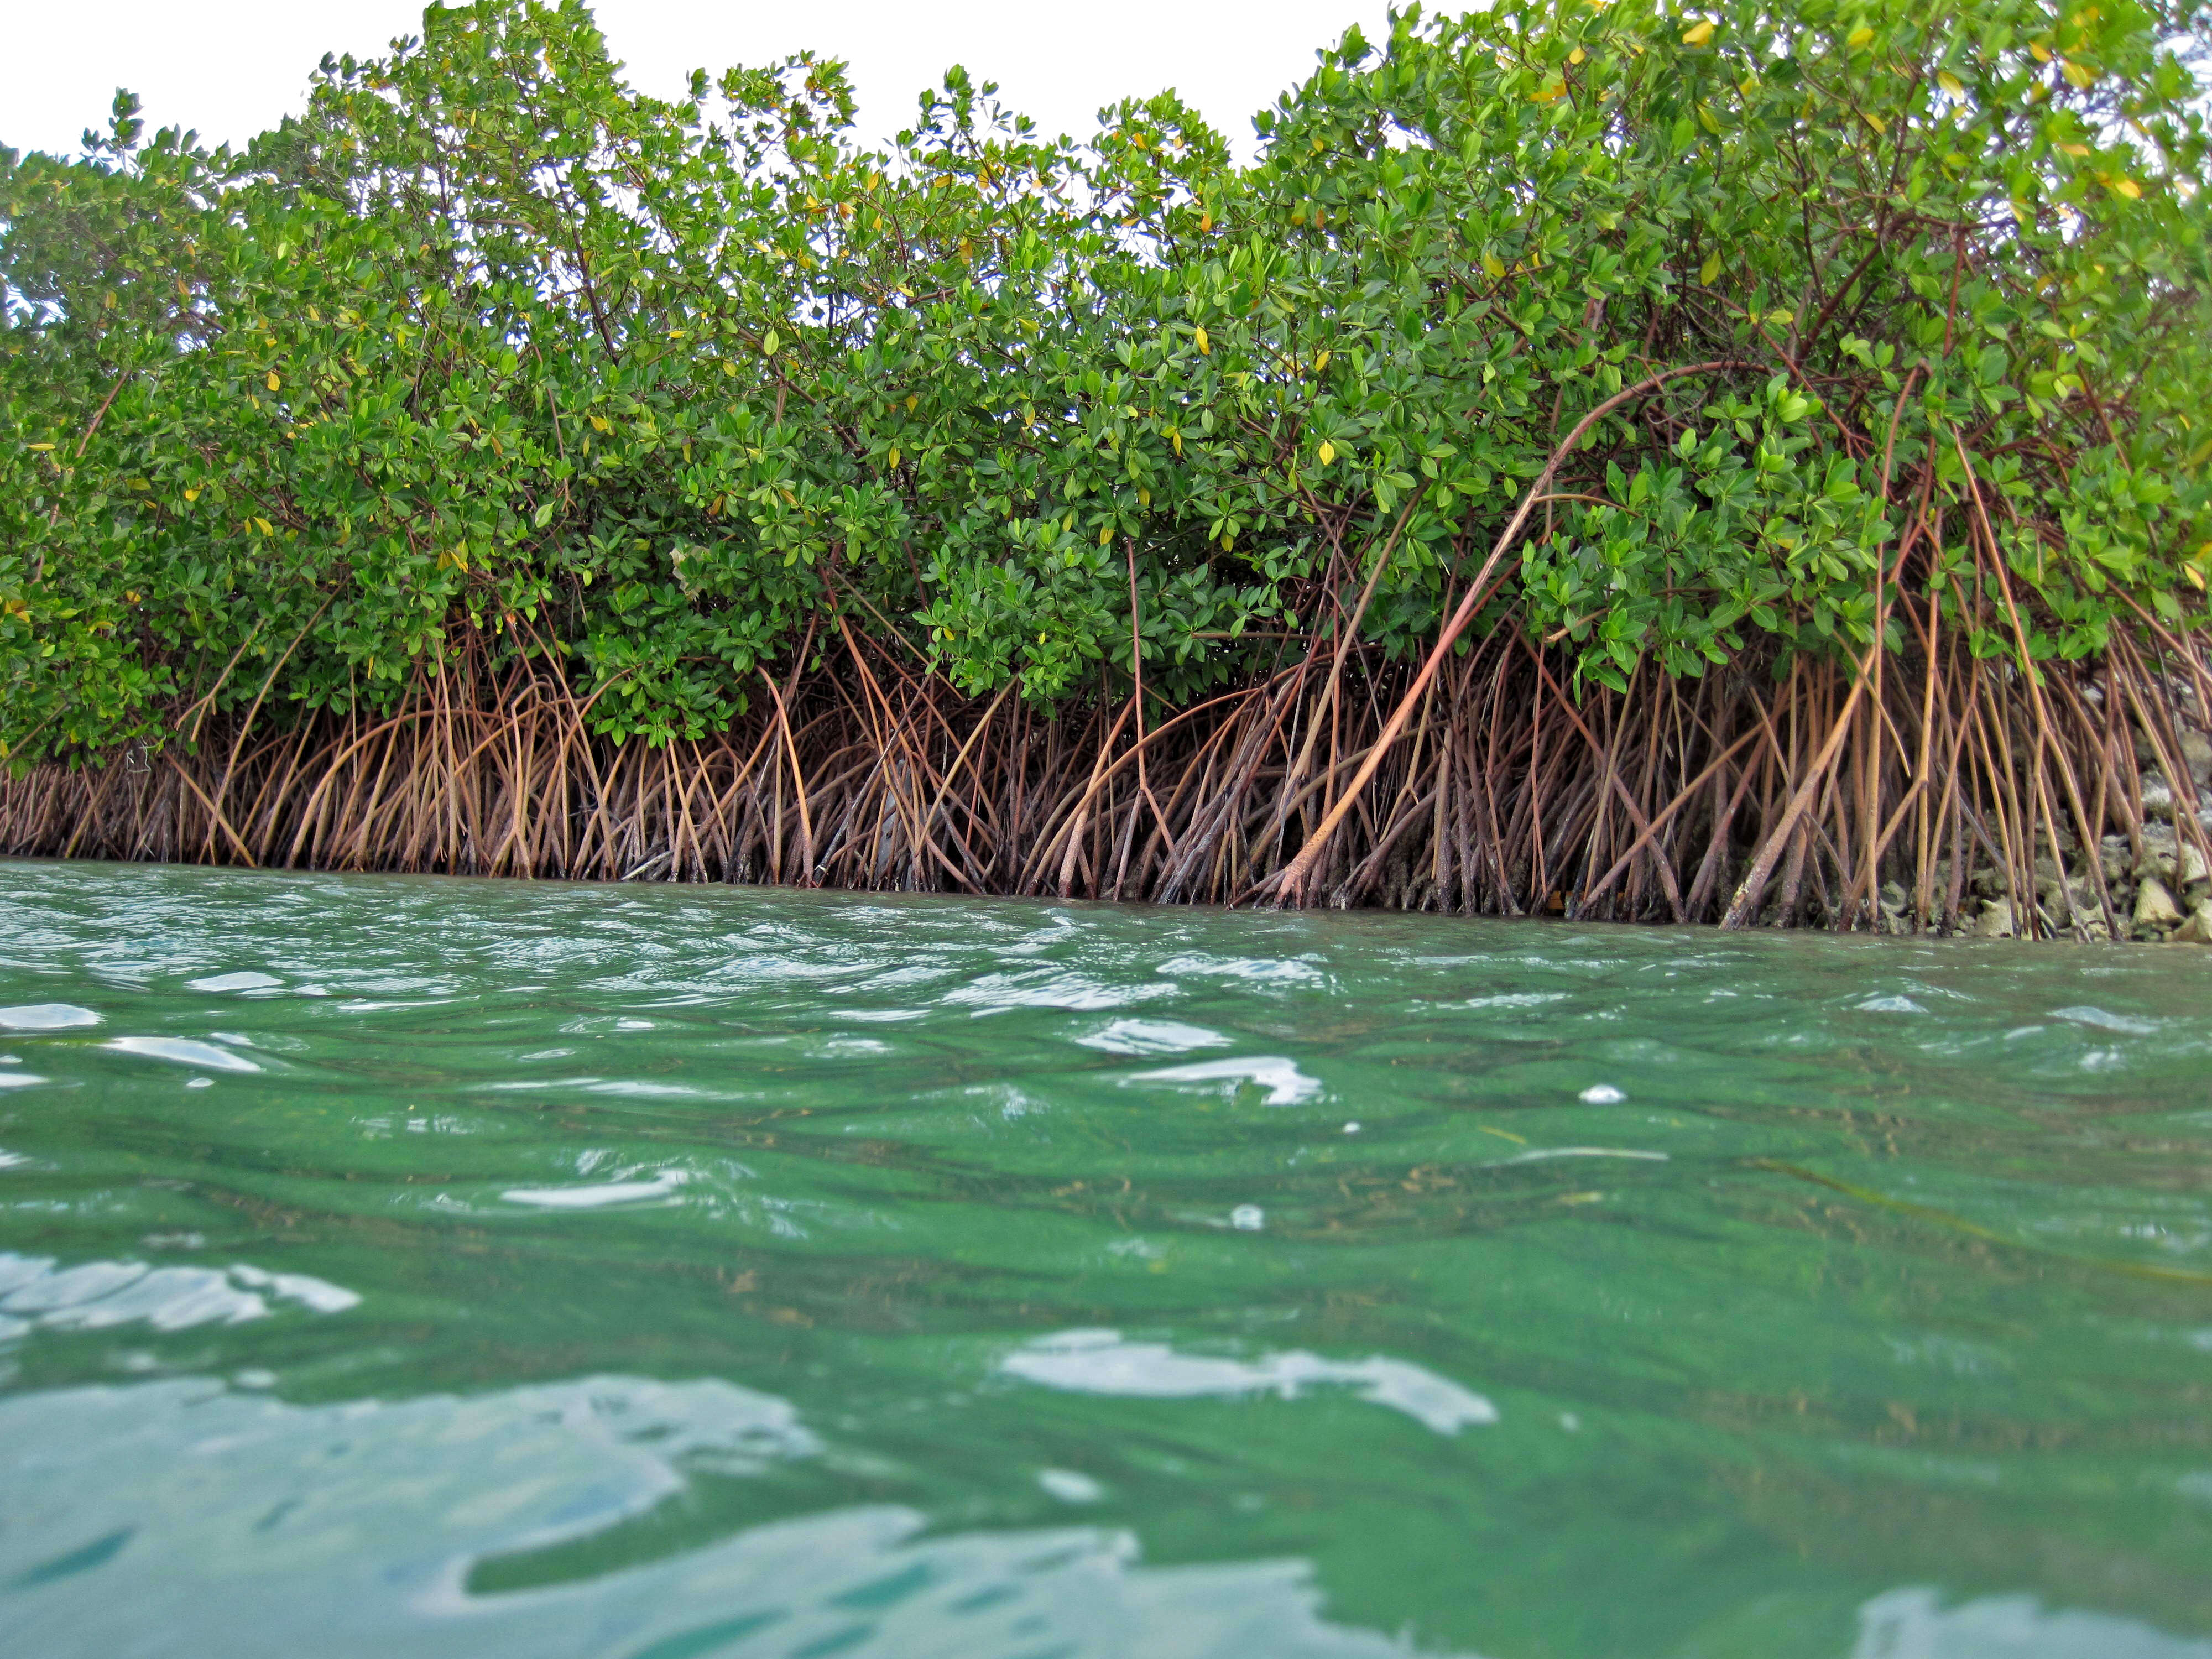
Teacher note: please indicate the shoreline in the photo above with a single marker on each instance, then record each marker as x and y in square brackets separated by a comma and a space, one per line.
[1466, 814]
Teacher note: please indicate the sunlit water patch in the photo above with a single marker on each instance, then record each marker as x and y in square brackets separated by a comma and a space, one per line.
[405, 1266]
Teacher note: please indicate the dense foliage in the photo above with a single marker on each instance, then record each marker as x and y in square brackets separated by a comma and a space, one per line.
[486, 354]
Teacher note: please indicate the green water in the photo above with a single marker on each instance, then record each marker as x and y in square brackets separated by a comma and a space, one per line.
[394, 1266]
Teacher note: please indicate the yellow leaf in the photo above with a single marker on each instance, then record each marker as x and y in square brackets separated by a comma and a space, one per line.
[1696, 34]
[265, 527]
[599, 421]
[2072, 150]
[1205, 221]
[729, 368]
[2080, 75]
[1327, 452]
[1576, 55]
[1705, 119]
[1105, 534]
[1950, 83]
[42, 448]
[1859, 37]
[2042, 52]
[893, 458]
[1175, 438]
[1205, 345]
[1144, 498]
[1494, 266]
[193, 494]
[2123, 186]
[911, 402]
[1321, 362]
[274, 383]
[1710, 269]
[769, 343]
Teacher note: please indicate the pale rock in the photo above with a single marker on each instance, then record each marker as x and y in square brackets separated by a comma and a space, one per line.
[2051, 885]
[2196, 751]
[2197, 930]
[2116, 857]
[2196, 754]
[2156, 858]
[2168, 858]
[2157, 797]
[1996, 920]
[2154, 905]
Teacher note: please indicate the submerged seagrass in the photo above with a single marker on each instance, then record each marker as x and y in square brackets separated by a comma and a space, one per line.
[1718, 466]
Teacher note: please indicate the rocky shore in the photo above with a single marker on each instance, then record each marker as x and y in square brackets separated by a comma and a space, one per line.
[2158, 879]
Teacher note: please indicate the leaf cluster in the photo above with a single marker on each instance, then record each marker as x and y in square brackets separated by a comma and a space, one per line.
[487, 356]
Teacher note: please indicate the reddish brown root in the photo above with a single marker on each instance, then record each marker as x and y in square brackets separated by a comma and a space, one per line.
[1905, 801]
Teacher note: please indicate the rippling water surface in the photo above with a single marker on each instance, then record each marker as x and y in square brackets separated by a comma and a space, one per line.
[395, 1267]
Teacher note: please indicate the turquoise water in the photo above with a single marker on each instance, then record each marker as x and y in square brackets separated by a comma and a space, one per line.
[412, 1266]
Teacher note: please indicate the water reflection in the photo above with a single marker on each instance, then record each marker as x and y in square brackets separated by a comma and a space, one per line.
[212, 1501]
[668, 1274]
[1104, 1362]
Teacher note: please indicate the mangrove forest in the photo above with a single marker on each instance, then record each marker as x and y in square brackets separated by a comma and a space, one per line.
[1742, 464]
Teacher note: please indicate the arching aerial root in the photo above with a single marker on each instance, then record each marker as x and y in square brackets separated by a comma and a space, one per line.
[1933, 792]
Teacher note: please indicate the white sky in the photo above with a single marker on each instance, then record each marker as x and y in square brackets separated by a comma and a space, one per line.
[230, 68]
